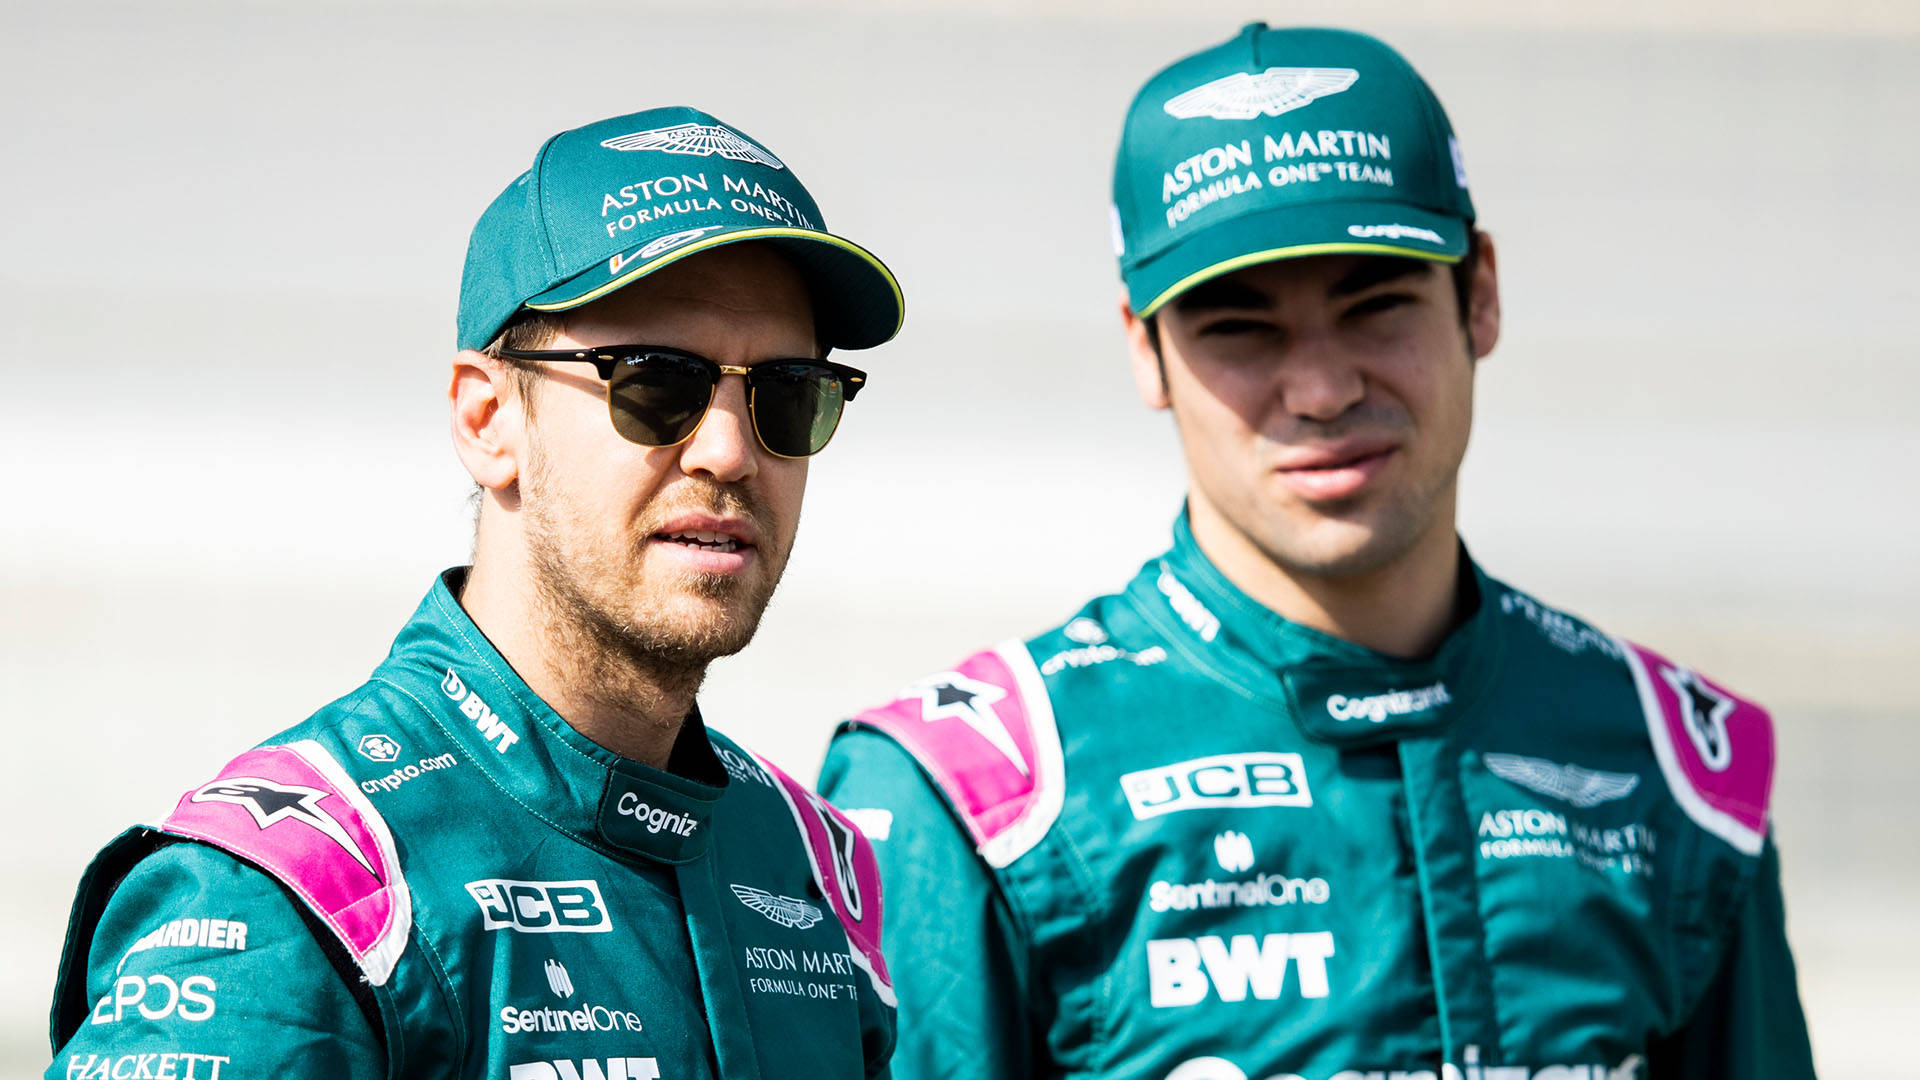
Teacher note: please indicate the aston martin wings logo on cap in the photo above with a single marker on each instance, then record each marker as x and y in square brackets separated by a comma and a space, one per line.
[1568, 783]
[1243, 96]
[786, 910]
[698, 140]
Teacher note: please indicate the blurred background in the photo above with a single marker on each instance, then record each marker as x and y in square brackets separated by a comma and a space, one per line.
[232, 244]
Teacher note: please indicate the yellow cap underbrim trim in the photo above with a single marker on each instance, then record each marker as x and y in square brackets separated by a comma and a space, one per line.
[1272, 254]
[698, 246]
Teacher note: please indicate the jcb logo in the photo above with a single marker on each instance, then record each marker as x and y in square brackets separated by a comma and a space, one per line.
[541, 907]
[591, 1069]
[1180, 971]
[1221, 780]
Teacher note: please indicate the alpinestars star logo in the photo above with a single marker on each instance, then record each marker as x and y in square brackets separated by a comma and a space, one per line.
[970, 701]
[271, 803]
[1243, 96]
[1568, 783]
[1704, 714]
[788, 911]
[697, 140]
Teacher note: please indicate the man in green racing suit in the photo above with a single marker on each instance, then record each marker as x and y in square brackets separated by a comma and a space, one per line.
[1314, 797]
[517, 852]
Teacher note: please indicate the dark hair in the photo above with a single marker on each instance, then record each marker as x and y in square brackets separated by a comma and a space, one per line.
[528, 329]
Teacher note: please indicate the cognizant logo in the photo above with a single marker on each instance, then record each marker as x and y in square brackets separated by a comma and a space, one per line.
[1393, 703]
[654, 819]
[1215, 1068]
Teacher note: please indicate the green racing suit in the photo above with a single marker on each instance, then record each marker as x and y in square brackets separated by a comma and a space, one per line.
[1179, 837]
[435, 876]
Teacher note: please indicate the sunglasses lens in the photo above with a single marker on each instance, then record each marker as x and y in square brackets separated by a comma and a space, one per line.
[657, 399]
[797, 406]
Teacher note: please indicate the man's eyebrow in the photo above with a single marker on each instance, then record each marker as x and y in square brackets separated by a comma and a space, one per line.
[1377, 270]
[1221, 294]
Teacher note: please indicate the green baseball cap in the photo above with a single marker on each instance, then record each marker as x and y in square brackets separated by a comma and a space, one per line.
[609, 203]
[1279, 144]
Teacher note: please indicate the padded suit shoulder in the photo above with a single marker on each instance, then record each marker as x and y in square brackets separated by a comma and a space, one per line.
[191, 960]
[1715, 748]
[984, 732]
[294, 812]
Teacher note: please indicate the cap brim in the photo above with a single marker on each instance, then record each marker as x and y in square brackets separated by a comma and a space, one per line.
[1292, 232]
[857, 302]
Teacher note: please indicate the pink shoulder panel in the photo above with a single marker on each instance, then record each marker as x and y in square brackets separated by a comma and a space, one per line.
[1715, 747]
[293, 811]
[985, 732]
[844, 868]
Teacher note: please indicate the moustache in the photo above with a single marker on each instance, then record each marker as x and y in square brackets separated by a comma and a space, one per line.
[719, 500]
[1366, 419]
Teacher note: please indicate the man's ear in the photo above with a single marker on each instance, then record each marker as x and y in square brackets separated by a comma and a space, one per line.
[489, 420]
[1483, 300]
[1149, 371]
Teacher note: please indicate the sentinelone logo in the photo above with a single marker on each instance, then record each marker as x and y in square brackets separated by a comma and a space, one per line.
[1392, 703]
[1234, 850]
[585, 1018]
[1263, 890]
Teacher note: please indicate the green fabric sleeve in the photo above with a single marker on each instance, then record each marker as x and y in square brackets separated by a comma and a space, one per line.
[201, 968]
[1749, 1023]
[950, 942]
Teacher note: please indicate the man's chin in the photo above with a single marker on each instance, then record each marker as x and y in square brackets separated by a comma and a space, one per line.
[705, 617]
[1335, 549]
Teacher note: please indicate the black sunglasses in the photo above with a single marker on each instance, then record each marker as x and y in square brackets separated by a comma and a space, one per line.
[657, 396]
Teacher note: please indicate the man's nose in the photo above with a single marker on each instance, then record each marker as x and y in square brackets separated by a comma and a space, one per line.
[1318, 380]
[723, 446]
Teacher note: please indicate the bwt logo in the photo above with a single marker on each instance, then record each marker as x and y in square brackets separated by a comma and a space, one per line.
[622, 1068]
[1180, 971]
[485, 720]
[541, 907]
[1218, 781]
[1233, 851]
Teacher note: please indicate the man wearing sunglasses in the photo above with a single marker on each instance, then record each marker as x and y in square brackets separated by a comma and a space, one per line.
[517, 852]
[1313, 797]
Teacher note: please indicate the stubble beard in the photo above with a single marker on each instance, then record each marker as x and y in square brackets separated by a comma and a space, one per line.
[611, 621]
[1392, 531]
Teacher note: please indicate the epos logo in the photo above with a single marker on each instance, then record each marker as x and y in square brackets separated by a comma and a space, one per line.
[541, 907]
[190, 999]
[1223, 780]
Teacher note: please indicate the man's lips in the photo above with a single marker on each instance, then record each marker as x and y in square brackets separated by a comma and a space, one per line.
[707, 542]
[1336, 471]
